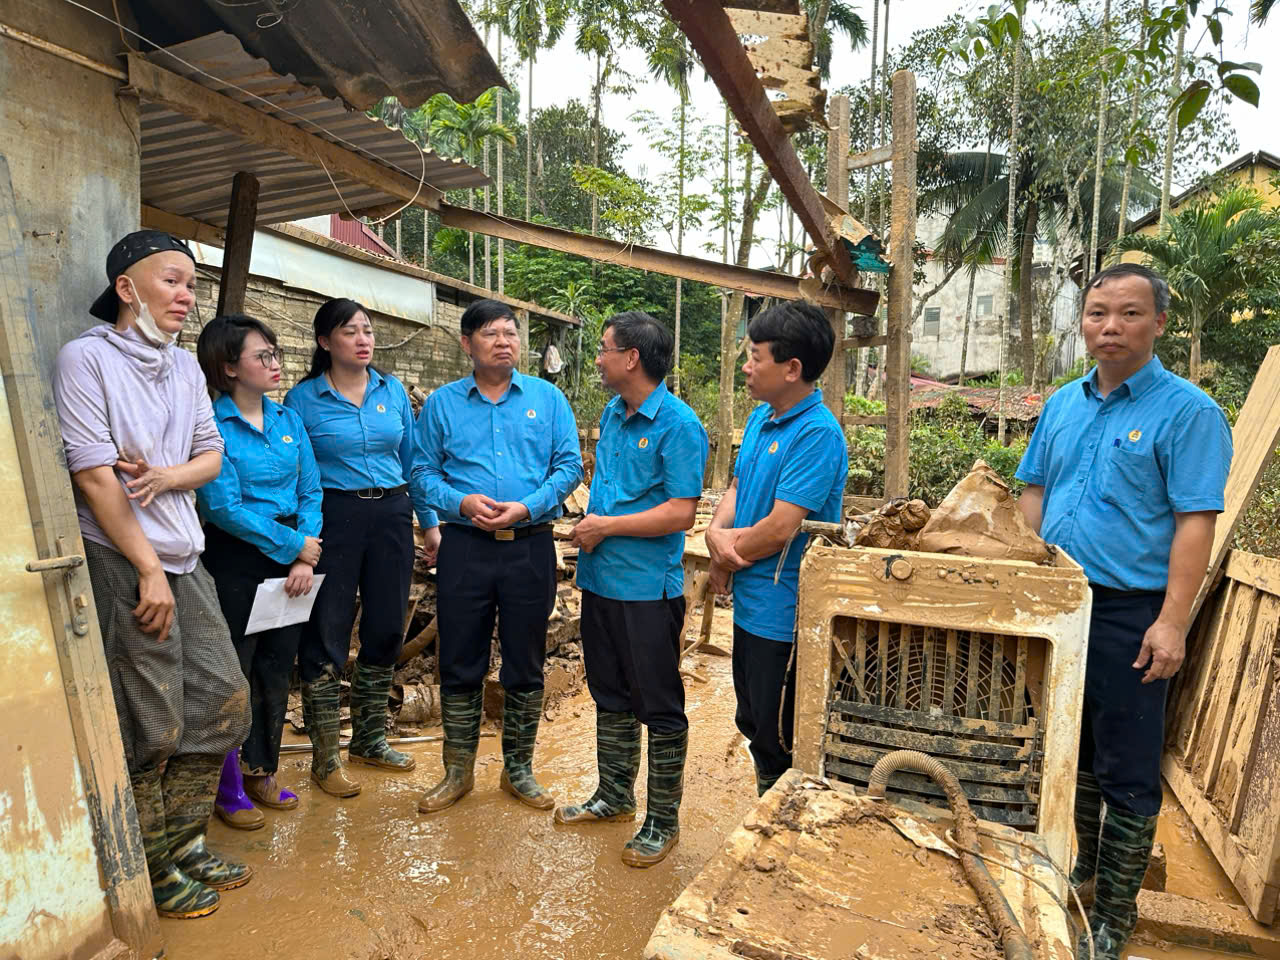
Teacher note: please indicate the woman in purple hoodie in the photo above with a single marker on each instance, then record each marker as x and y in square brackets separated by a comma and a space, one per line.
[139, 435]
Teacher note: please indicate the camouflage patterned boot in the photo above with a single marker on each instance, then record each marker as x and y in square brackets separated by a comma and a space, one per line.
[617, 763]
[176, 895]
[461, 715]
[661, 829]
[521, 713]
[370, 688]
[1088, 826]
[764, 781]
[189, 784]
[1124, 850]
[320, 713]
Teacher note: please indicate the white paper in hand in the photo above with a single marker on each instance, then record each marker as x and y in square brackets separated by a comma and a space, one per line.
[273, 608]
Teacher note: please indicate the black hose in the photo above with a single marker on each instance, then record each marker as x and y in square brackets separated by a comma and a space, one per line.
[1015, 942]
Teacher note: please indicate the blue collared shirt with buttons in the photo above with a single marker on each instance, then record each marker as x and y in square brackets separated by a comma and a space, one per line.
[1116, 470]
[372, 445]
[267, 475]
[657, 454]
[800, 457]
[521, 447]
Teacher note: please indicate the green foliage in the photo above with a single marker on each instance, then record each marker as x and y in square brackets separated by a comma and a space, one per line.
[1012, 378]
[1259, 529]
[919, 363]
[860, 406]
[1078, 370]
[628, 205]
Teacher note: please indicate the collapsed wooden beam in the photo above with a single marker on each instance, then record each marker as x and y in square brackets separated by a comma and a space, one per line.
[758, 283]
[716, 41]
[157, 85]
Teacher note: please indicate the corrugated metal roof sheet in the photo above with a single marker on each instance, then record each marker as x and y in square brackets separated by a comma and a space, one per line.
[187, 165]
[353, 49]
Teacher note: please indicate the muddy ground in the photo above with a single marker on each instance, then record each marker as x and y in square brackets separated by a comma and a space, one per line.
[371, 879]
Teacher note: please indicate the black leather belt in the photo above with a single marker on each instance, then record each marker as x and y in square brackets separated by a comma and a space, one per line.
[372, 493]
[509, 533]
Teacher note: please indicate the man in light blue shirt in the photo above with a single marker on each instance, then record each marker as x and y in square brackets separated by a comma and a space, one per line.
[499, 456]
[792, 466]
[644, 495]
[1125, 471]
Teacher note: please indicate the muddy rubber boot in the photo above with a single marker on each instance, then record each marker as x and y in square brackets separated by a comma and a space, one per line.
[320, 713]
[661, 829]
[176, 895]
[1124, 851]
[521, 713]
[370, 689]
[461, 714]
[265, 790]
[190, 782]
[617, 763]
[764, 781]
[1088, 817]
[232, 806]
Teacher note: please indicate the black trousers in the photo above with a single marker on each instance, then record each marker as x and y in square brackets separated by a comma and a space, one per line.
[266, 658]
[763, 683]
[480, 579]
[1122, 732]
[368, 545]
[631, 649]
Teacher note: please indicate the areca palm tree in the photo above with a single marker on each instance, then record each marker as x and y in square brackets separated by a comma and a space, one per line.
[1199, 250]
[826, 18]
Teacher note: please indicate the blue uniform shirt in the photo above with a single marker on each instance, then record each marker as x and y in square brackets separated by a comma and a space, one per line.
[523, 447]
[802, 458]
[1115, 471]
[266, 474]
[657, 454]
[372, 445]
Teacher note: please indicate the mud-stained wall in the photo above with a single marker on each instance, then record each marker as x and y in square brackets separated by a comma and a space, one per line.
[51, 897]
[72, 148]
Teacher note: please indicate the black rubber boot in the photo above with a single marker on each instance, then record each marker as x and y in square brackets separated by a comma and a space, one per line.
[660, 831]
[190, 784]
[370, 689]
[617, 763]
[1088, 816]
[461, 714]
[176, 894]
[1124, 851]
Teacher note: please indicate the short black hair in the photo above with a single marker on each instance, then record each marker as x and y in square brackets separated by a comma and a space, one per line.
[798, 331]
[484, 312]
[1159, 285]
[636, 330]
[221, 342]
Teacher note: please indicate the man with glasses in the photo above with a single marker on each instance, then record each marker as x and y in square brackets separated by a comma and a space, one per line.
[500, 454]
[644, 495]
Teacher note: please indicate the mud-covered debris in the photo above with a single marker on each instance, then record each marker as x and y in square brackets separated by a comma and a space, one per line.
[980, 518]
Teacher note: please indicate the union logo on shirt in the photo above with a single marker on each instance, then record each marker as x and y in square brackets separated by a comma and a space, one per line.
[287, 439]
[773, 447]
[644, 442]
[531, 413]
[381, 408]
[1135, 436]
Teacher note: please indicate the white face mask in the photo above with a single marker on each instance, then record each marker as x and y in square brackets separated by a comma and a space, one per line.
[147, 323]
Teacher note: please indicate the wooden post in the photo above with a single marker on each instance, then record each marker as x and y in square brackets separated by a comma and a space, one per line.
[835, 380]
[902, 235]
[522, 315]
[241, 220]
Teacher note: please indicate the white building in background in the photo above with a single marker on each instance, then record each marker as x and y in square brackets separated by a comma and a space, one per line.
[938, 333]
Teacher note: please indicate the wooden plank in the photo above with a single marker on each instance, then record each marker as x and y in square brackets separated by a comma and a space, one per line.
[871, 158]
[931, 743]
[157, 85]
[904, 781]
[1219, 927]
[902, 234]
[970, 772]
[860, 658]
[154, 218]
[904, 661]
[1261, 573]
[874, 420]
[1253, 439]
[1191, 701]
[52, 509]
[931, 723]
[949, 681]
[239, 249]
[858, 343]
[761, 23]
[1020, 682]
[756, 282]
[1210, 736]
[997, 674]
[835, 377]
[930, 668]
[1235, 773]
[971, 677]
[883, 652]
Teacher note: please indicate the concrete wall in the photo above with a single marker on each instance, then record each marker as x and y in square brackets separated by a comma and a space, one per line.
[72, 149]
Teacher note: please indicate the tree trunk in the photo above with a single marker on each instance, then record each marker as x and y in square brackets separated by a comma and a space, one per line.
[1026, 328]
[1171, 136]
[1128, 167]
[487, 283]
[528, 148]
[752, 199]
[968, 319]
[471, 241]
[871, 114]
[595, 147]
[1009, 231]
[398, 253]
[684, 107]
[1193, 364]
[882, 211]
[1104, 95]
[502, 249]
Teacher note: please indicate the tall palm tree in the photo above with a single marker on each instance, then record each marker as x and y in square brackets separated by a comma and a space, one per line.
[1104, 96]
[470, 127]
[826, 18]
[1197, 250]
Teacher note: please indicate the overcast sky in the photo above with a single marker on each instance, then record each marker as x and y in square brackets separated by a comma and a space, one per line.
[562, 74]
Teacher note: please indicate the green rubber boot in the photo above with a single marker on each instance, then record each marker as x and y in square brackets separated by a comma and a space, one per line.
[190, 783]
[521, 713]
[1088, 817]
[1124, 851]
[320, 712]
[661, 829]
[461, 715]
[370, 688]
[617, 763]
[176, 894]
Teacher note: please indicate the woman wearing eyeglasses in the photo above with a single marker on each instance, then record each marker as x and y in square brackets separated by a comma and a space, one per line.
[262, 521]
